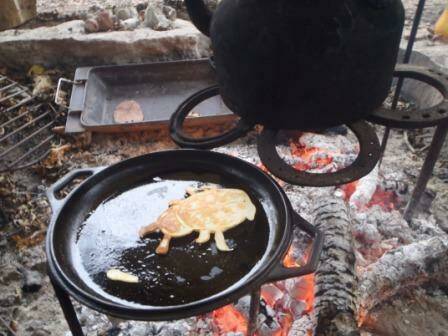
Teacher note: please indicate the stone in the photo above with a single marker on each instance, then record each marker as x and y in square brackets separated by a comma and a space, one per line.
[169, 12]
[32, 281]
[155, 17]
[105, 21]
[16, 12]
[130, 24]
[125, 12]
[67, 45]
[91, 26]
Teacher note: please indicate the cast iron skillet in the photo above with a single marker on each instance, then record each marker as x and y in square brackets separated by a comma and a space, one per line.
[70, 213]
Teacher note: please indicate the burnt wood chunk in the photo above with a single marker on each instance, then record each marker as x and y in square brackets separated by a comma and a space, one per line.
[335, 280]
[407, 267]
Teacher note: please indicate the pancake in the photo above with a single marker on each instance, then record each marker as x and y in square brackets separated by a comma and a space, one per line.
[210, 211]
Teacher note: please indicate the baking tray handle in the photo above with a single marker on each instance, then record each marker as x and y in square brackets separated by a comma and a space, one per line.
[57, 203]
[57, 97]
[280, 272]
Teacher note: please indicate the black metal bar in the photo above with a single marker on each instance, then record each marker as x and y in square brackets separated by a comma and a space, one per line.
[253, 312]
[427, 169]
[384, 144]
[33, 109]
[406, 59]
[68, 310]
[32, 121]
[22, 102]
[26, 139]
[33, 162]
[12, 95]
[31, 151]
[8, 86]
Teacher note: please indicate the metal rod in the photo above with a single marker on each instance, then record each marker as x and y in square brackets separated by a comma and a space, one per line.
[406, 59]
[33, 109]
[253, 312]
[26, 139]
[12, 95]
[31, 151]
[23, 102]
[68, 310]
[8, 86]
[427, 169]
[409, 48]
[32, 121]
[384, 144]
[36, 160]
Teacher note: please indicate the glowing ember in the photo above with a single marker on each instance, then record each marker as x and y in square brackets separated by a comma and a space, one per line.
[304, 291]
[311, 158]
[289, 260]
[385, 199]
[229, 319]
[304, 287]
[349, 189]
[286, 325]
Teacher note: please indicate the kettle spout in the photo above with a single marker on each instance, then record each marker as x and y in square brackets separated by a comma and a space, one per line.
[200, 15]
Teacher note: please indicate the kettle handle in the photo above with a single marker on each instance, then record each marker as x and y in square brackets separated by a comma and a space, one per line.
[200, 15]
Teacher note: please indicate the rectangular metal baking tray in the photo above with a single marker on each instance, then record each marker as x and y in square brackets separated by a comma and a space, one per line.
[159, 88]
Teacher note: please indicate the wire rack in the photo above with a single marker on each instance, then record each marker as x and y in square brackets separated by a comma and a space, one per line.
[25, 126]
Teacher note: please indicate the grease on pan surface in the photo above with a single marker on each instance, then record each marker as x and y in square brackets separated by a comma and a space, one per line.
[210, 211]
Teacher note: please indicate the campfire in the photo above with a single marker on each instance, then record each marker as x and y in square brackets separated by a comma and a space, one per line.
[289, 307]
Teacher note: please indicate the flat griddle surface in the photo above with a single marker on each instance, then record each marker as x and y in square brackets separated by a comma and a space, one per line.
[159, 88]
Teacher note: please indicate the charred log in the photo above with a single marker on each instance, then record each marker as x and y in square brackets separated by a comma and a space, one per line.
[406, 267]
[421, 311]
[335, 280]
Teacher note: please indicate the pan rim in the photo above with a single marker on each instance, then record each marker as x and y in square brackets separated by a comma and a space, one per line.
[257, 278]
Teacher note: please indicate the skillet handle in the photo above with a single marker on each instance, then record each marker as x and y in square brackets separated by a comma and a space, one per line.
[280, 272]
[55, 203]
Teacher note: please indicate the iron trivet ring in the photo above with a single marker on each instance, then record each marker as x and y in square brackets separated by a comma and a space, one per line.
[184, 140]
[369, 154]
[416, 118]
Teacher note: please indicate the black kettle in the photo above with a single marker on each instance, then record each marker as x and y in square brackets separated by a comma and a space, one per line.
[302, 64]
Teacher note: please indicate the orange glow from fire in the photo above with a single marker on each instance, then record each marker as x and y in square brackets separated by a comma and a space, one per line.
[309, 158]
[286, 325]
[229, 319]
[289, 260]
[304, 290]
[349, 189]
[385, 199]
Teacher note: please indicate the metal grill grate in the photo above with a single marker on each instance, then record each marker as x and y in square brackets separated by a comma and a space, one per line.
[25, 126]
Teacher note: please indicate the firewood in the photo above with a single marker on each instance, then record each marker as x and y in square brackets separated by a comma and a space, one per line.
[406, 267]
[365, 189]
[420, 311]
[301, 326]
[335, 280]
